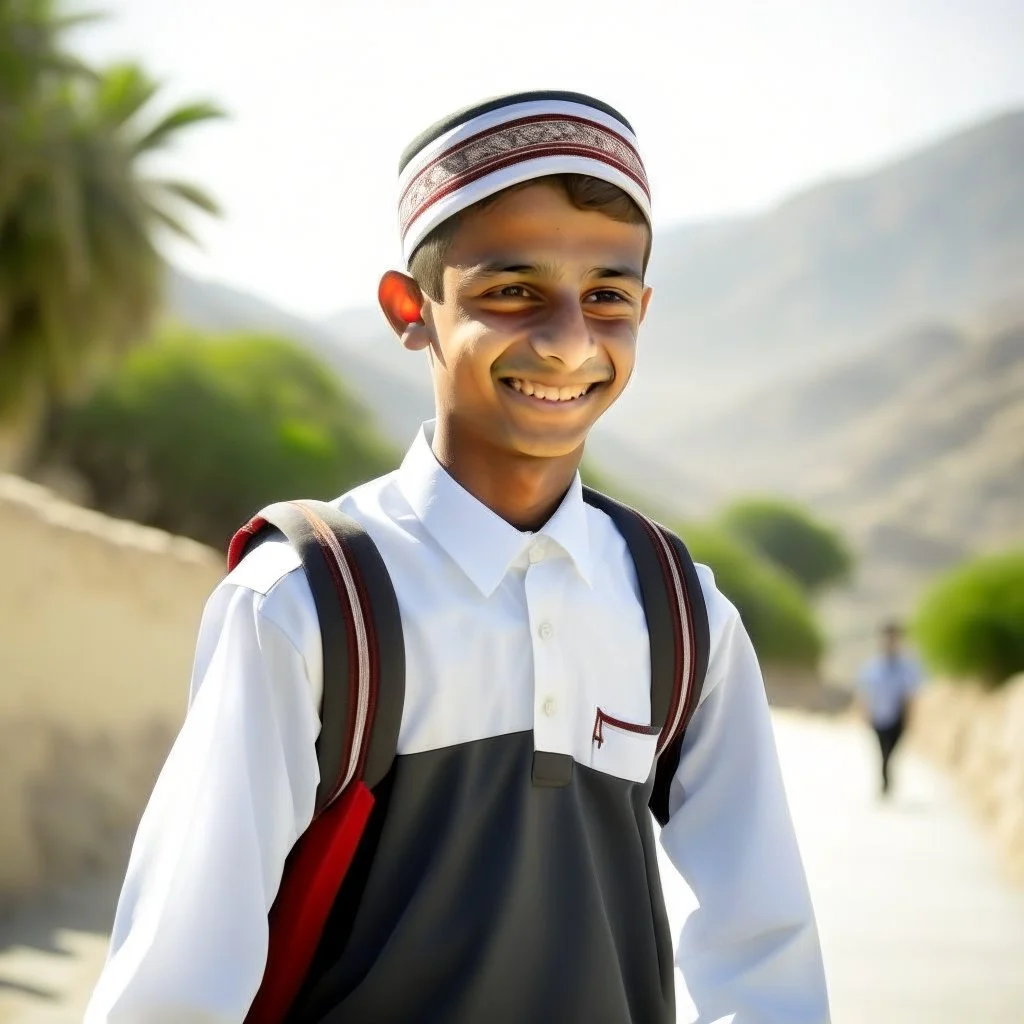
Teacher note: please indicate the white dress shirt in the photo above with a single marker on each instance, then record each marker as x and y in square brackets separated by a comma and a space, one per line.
[886, 684]
[190, 937]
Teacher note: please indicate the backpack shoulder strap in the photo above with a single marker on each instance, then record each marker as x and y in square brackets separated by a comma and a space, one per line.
[360, 633]
[677, 624]
[700, 637]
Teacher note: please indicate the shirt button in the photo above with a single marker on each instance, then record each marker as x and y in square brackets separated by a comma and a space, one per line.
[536, 554]
[550, 706]
[546, 630]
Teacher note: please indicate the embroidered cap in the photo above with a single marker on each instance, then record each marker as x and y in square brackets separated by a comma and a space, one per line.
[491, 146]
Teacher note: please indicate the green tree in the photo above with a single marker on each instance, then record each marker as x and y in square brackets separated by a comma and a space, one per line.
[80, 272]
[970, 625]
[31, 45]
[812, 552]
[774, 610]
[194, 434]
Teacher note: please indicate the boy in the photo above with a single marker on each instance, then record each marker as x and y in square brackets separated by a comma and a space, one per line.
[886, 688]
[526, 230]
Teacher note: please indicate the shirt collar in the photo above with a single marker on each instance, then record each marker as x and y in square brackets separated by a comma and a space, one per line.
[478, 540]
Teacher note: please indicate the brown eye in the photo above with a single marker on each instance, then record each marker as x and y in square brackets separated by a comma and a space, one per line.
[606, 295]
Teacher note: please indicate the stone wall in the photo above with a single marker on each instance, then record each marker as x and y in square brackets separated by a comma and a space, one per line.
[97, 629]
[979, 737]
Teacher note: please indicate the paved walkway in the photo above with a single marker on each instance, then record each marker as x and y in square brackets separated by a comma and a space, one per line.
[916, 926]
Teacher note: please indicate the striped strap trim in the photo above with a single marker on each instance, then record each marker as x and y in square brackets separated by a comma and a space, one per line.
[364, 662]
[362, 681]
[684, 637]
[688, 666]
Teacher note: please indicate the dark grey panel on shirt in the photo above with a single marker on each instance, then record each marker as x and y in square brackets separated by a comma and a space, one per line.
[479, 896]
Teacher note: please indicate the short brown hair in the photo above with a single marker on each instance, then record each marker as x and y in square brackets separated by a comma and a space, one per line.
[584, 192]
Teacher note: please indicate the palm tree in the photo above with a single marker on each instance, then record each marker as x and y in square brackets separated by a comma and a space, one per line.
[80, 272]
[30, 46]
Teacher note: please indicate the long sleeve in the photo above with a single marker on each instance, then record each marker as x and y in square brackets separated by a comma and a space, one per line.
[190, 936]
[749, 952]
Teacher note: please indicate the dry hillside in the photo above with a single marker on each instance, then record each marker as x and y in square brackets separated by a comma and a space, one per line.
[935, 236]
[920, 437]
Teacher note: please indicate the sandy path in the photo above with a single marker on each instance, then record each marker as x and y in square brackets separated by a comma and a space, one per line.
[916, 925]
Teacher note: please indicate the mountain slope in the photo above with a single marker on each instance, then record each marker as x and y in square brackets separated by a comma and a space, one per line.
[947, 457]
[916, 446]
[936, 236]
[772, 437]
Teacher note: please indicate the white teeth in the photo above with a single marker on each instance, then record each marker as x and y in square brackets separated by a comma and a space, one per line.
[549, 394]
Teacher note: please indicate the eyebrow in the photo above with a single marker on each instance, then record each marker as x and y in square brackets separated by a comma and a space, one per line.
[545, 269]
[627, 272]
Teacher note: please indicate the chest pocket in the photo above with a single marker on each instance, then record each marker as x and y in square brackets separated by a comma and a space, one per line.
[622, 748]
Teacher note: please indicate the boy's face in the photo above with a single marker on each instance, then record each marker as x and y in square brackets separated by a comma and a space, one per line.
[536, 334]
[892, 641]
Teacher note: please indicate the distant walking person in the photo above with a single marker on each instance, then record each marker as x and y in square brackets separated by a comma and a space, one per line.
[886, 686]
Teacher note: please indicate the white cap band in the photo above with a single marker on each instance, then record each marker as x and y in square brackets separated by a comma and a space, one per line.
[510, 144]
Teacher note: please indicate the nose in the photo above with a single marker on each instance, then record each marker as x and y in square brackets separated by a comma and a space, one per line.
[564, 336]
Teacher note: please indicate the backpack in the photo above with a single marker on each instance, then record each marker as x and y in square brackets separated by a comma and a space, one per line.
[364, 694]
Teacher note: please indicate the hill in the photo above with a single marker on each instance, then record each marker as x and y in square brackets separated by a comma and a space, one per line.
[922, 434]
[915, 448]
[946, 457]
[936, 236]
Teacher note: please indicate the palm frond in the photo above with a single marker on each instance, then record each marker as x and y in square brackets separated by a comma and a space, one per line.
[184, 117]
[80, 269]
[123, 90]
[188, 193]
[173, 223]
[63, 22]
[30, 44]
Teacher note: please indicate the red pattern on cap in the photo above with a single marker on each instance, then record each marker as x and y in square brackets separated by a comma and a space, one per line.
[512, 142]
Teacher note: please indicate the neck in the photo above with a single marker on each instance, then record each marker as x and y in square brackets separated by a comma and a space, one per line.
[525, 491]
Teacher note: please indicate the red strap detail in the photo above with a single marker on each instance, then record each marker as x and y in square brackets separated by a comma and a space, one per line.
[312, 877]
[370, 622]
[241, 540]
[677, 624]
[692, 690]
[321, 531]
[685, 687]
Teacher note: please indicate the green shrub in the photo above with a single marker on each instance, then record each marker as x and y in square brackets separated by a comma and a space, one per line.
[970, 625]
[812, 552]
[194, 434]
[774, 610]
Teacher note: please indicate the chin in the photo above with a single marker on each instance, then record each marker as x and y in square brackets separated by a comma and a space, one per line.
[546, 447]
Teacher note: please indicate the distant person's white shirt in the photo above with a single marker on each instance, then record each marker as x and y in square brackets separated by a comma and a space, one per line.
[886, 684]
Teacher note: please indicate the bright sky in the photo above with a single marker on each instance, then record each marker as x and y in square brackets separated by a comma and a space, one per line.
[736, 103]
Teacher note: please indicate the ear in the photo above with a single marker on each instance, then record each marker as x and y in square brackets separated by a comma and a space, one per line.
[401, 302]
[645, 302]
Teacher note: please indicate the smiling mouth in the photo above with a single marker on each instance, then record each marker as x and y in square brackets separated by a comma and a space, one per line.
[549, 393]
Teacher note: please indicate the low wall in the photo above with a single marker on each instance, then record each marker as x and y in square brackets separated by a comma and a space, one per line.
[979, 737]
[97, 628]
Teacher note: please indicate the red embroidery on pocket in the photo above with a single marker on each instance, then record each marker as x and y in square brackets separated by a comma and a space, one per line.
[600, 719]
